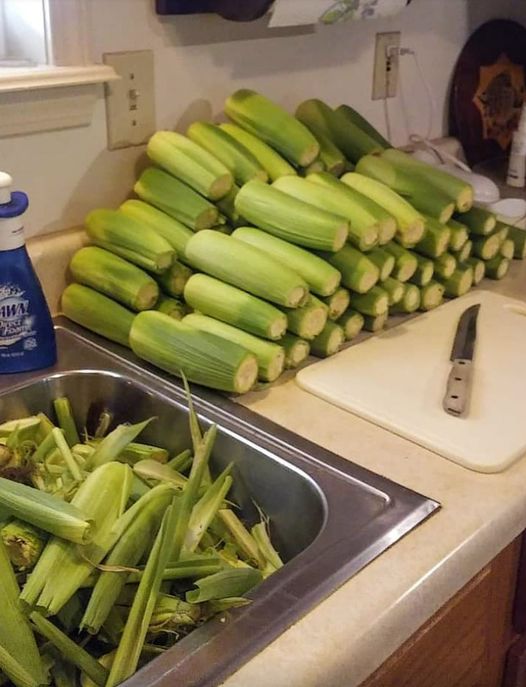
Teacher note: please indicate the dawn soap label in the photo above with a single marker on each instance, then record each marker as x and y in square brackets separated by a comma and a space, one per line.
[16, 322]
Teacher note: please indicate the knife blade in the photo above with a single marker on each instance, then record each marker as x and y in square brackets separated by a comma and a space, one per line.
[458, 390]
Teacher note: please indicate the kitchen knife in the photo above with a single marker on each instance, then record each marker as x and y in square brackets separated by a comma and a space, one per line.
[458, 389]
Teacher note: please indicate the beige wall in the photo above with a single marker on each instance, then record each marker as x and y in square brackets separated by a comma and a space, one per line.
[200, 59]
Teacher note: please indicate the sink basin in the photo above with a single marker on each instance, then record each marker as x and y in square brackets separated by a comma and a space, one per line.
[329, 517]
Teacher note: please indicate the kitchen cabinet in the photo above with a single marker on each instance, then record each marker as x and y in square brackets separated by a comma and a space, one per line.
[467, 642]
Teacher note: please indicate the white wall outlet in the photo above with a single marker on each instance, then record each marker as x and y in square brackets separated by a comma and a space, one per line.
[386, 59]
[130, 101]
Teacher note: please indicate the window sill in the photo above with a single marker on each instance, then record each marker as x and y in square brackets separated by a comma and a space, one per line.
[30, 78]
[49, 98]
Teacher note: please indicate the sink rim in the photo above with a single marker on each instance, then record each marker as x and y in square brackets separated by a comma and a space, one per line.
[290, 593]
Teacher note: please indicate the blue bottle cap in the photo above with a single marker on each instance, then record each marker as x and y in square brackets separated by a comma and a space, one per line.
[16, 207]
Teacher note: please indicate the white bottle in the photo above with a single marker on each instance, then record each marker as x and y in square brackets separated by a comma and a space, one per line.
[517, 162]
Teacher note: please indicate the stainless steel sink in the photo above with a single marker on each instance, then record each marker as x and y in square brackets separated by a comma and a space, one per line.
[329, 517]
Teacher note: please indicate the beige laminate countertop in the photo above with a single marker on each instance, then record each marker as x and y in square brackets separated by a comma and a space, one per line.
[347, 636]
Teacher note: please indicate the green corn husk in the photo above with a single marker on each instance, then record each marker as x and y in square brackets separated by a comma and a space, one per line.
[374, 302]
[358, 272]
[227, 206]
[479, 269]
[185, 569]
[459, 283]
[152, 470]
[431, 295]
[424, 271]
[239, 161]
[176, 233]
[205, 510]
[246, 267]
[16, 637]
[136, 627]
[296, 350]
[465, 252]
[179, 349]
[70, 650]
[63, 567]
[270, 356]
[202, 451]
[114, 277]
[291, 219]
[394, 289]
[383, 260]
[275, 165]
[444, 265]
[242, 537]
[234, 306]
[518, 236]
[128, 551]
[67, 456]
[358, 120]
[478, 220]
[174, 279]
[486, 247]
[329, 340]
[435, 240]
[190, 163]
[225, 584]
[260, 533]
[24, 543]
[457, 189]
[375, 323]
[353, 141]
[406, 262]
[352, 323]
[131, 240]
[337, 199]
[11, 669]
[497, 267]
[46, 512]
[115, 442]
[337, 303]
[272, 124]
[66, 421]
[309, 320]
[322, 278]
[507, 249]
[331, 156]
[363, 211]
[172, 307]
[409, 222]
[418, 189]
[171, 614]
[410, 300]
[459, 234]
[97, 313]
[176, 199]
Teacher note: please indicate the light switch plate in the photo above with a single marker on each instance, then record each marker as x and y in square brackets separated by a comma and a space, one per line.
[130, 101]
[385, 75]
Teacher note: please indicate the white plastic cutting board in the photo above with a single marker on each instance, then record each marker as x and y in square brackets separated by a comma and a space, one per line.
[397, 380]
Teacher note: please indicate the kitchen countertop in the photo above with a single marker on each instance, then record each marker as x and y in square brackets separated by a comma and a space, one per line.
[347, 636]
[344, 639]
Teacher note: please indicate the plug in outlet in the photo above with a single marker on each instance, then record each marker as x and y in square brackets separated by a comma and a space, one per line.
[130, 101]
[386, 59]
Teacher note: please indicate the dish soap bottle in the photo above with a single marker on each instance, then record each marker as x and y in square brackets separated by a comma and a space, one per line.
[27, 338]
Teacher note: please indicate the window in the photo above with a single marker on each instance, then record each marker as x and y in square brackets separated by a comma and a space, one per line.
[45, 48]
[23, 33]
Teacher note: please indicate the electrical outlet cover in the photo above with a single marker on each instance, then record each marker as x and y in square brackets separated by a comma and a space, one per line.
[130, 101]
[385, 75]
